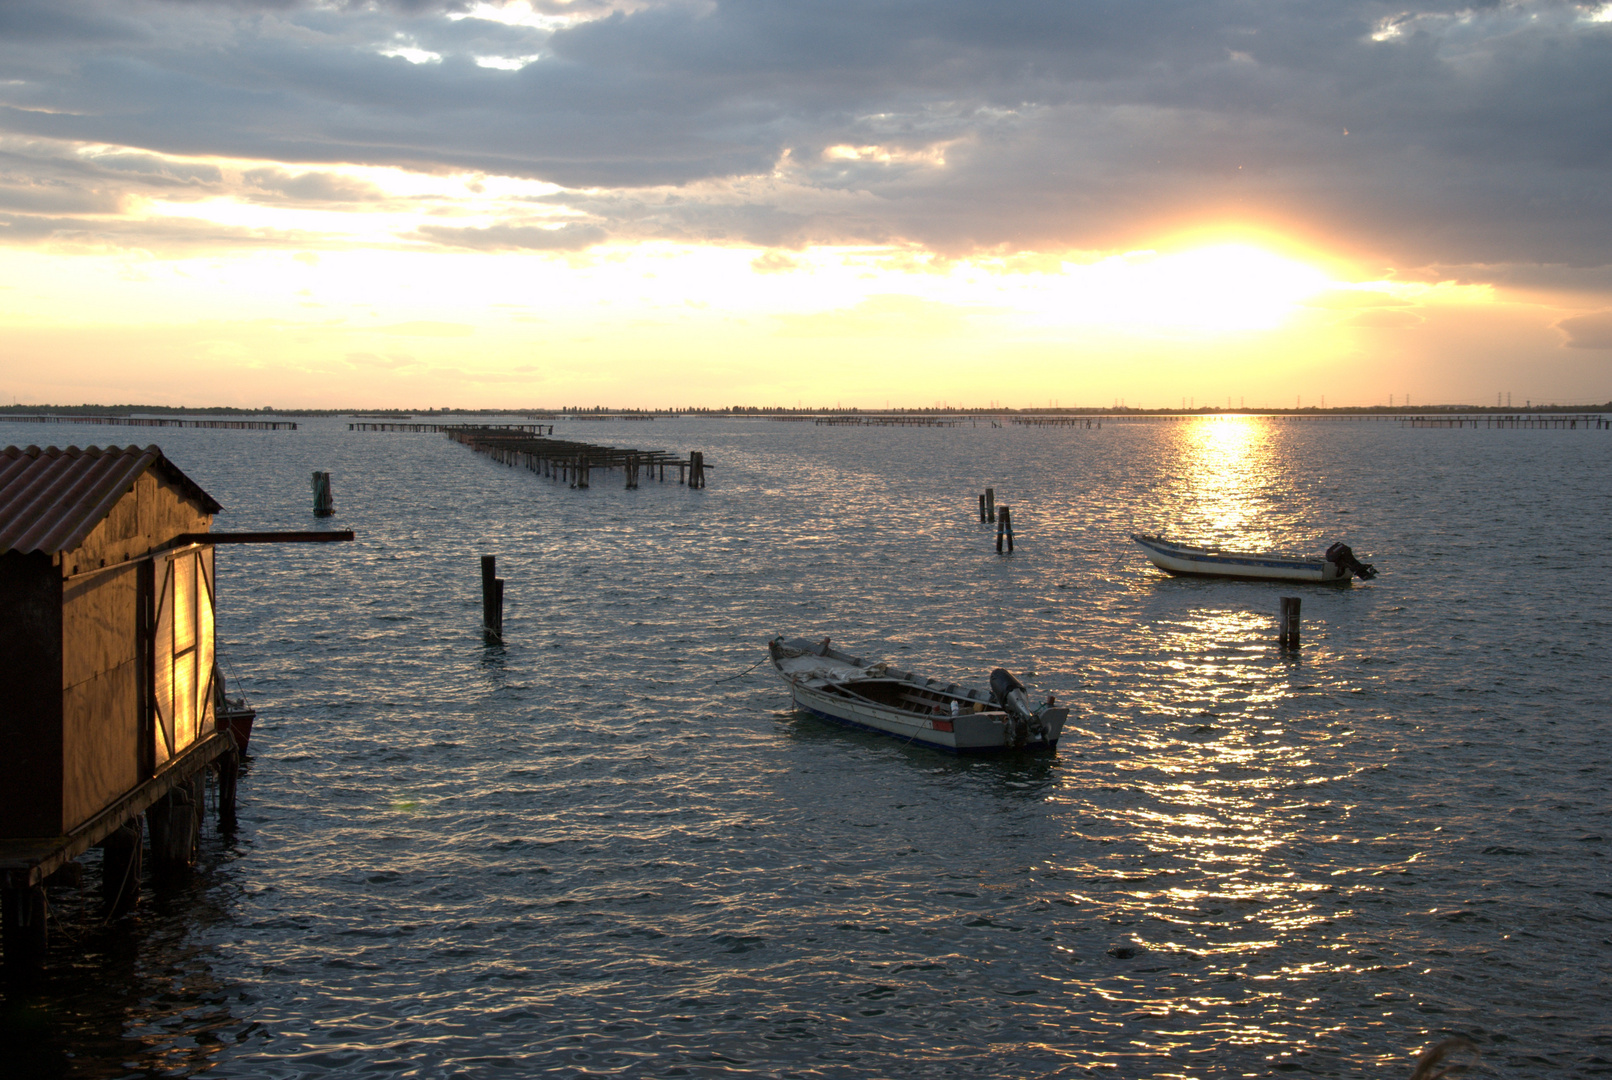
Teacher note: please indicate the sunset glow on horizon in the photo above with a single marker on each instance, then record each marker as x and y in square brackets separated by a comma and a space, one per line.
[900, 257]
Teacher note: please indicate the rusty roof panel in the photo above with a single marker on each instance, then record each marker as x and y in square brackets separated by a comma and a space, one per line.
[51, 499]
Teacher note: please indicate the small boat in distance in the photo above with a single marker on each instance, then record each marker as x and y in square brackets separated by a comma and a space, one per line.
[877, 697]
[1338, 564]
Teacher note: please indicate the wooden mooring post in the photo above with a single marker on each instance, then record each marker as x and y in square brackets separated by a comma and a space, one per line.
[990, 505]
[696, 469]
[24, 913]
[492, 601]
[174, 824]
[120, 868]
[323, 504]
[1004, 528]
[1288, 623]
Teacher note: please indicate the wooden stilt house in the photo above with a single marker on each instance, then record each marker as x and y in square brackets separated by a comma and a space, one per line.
[107, 702]
[106, 630]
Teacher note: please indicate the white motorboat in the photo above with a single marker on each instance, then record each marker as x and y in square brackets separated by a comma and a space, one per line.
[877, 697]
[1337, 564]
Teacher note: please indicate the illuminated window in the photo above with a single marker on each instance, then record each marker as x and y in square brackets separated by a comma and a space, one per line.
[182, 652]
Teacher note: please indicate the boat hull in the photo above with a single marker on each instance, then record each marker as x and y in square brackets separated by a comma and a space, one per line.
[844, 692]
[1186, 561]
[238, 722]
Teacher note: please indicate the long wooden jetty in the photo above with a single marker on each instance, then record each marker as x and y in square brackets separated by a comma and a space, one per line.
[1540, 420]
[1587, 421]
[887, 421]
[571, 461]
[536, 429]
[154, 421]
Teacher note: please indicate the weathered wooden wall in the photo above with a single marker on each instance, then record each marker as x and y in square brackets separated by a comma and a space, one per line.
[101, 656]
[155, 514]
[100, 692]
[30, 696]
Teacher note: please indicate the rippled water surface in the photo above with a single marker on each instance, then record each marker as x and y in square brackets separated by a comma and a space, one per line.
[609, 849]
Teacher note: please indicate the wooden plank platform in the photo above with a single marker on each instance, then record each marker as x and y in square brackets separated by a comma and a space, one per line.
[26, 863]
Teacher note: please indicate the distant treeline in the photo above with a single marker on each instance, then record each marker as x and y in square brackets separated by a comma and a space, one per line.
[761, 410]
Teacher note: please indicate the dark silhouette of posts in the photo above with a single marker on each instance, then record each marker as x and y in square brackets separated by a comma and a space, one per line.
[174, 825]
[1288, 623]
[24, 914]
[120, 868]
[1004, 529]
[990, 505]
[229, 773]
[323, 504]
[492, 601]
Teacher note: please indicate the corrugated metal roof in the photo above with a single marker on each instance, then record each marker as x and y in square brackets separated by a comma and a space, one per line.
[51, 499]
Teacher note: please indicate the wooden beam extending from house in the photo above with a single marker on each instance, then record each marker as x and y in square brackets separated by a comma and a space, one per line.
[322, 536]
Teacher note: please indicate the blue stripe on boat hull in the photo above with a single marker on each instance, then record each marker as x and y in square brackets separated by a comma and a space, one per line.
[843, 722]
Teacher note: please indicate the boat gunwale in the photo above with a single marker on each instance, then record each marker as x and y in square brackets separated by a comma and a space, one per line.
[1194, 553]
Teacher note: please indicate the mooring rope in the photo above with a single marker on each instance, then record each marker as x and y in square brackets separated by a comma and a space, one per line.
[743, 673]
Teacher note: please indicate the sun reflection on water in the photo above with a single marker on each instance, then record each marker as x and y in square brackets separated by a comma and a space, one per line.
[1227, 480]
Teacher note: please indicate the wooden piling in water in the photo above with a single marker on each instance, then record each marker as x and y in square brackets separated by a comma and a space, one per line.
[323, 504]
[1288, 623]
[982, 509]
[990, 504]
[492, 601]
[24, 914]
[120, 868]
[1004, 529]
[174, 825]
[229, 772]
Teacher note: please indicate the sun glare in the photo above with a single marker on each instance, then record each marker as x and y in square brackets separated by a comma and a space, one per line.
[1226, 287]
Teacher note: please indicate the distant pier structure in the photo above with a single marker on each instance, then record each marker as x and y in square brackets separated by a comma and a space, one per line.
[153, 421]
[574, 462]
[421, 426]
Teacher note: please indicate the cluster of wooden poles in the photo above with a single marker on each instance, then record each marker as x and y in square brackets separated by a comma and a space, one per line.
[1002, 515]
[574, 462]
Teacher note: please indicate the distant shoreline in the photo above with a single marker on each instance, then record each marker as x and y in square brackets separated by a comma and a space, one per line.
[18, 411]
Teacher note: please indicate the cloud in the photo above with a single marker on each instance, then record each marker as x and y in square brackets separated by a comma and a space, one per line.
[880, 316]
[425, 328]
[385, 363]
[1593, 331]
[774, 262]
[1354, 299]
[1385, 320]
[569, 237]
[1440, 134]
[281, 186]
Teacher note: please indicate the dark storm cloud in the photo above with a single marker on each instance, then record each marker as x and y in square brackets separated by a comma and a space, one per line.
[1429, 135]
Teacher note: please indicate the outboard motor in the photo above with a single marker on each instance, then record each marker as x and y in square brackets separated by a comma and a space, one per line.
[1344, 559]
[1022, 720]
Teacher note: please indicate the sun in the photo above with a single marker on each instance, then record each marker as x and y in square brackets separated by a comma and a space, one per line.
[1218, 288]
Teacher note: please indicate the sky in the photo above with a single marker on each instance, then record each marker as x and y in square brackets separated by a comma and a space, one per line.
[887, 203]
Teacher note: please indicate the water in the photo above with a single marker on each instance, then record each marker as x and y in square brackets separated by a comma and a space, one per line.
[603, 851]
